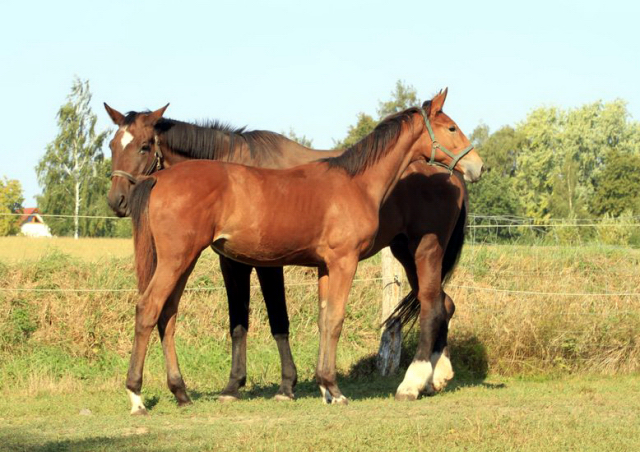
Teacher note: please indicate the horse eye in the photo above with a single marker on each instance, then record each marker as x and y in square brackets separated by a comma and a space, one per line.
[145, 148]
[452, 129]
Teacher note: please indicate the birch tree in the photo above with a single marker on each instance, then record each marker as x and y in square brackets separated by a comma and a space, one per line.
[72, 162]
[11, 199]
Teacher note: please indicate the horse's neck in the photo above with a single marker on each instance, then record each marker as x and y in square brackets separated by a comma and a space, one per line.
[241, 152]
[294, 154]
[286, 155]
[379, 180]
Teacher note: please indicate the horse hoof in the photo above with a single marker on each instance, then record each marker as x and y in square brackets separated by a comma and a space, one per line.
[140, 412]
[283, 398]
[430, 390]
[227, 398]
[340, 400]
[182, 403]
[406, 397]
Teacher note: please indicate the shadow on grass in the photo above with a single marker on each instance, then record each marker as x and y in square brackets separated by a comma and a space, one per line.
[32, 443]
[468, 357]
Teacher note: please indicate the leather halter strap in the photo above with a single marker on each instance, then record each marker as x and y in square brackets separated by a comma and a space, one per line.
[154, 165]
[455, 158]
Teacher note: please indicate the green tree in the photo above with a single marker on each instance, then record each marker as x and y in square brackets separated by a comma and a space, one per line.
[364, 126]
[617, 187]
[479, 135]
[564, 153]
[537, 160]
[402, 97]
[11, 199]
[495, 195]
[500, 150]
[71, 173]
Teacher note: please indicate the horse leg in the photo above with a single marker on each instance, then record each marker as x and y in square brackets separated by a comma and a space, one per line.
[148, 309]
[272, 284]
[401, 251]
[334, 285]
[166, 329]
[237, 282]
[433, 322]
[443, 371]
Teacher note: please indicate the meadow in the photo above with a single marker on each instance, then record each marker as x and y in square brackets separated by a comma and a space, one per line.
[544, 344]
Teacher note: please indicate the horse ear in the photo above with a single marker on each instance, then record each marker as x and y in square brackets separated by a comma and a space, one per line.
[438, 101]
[115, 115]
[155, 116]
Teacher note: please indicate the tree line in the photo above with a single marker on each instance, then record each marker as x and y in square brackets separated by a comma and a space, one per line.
[576, 163]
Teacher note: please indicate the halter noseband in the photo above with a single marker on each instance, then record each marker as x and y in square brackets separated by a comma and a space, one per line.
[155, 165]
[455, 158]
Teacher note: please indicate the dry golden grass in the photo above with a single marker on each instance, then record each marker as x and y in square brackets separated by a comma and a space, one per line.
[15, 249]
[520, 309]
[537, 308]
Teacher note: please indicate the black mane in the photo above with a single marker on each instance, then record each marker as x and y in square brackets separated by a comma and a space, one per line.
[374, 146]
[212, 139]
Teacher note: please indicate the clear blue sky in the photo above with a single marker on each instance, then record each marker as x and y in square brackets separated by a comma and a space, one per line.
[311, 67]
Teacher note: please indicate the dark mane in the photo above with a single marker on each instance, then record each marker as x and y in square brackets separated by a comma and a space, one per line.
[374, 146]
[214, 140]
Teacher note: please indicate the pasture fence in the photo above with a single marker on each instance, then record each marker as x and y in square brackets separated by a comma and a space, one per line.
[522, 302]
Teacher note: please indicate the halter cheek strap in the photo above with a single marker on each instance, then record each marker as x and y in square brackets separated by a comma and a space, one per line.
[455, 158]
[155, 165]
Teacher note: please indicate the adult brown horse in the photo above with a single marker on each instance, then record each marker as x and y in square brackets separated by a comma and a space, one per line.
[327, 217]
[427, 245]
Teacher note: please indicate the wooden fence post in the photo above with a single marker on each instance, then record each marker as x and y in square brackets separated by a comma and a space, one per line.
[388, 359]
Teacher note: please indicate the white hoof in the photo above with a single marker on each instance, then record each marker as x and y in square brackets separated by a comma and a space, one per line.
[442, 374]
[137, 406]
[226, 398]
[282, 398]
[415, 380]
[340, 400]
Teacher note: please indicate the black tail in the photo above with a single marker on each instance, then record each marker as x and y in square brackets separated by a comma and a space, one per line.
[144, 245]
[408, 309]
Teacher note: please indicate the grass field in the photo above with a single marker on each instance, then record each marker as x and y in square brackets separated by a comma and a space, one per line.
[544, 344]
[498, 414]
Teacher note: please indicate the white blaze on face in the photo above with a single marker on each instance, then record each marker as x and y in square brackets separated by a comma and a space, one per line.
[126, 138]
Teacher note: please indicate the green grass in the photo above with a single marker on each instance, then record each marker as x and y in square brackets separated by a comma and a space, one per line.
[586, 413]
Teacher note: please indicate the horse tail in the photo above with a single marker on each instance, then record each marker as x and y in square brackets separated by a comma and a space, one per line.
[144, 245]
[408, 309]
[454, 247]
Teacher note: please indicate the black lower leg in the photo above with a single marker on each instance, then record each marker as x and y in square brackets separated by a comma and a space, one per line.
[289, 371]
[238, 374]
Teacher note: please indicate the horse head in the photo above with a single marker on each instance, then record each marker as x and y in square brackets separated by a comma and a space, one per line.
[134, 153]
[448, 147]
